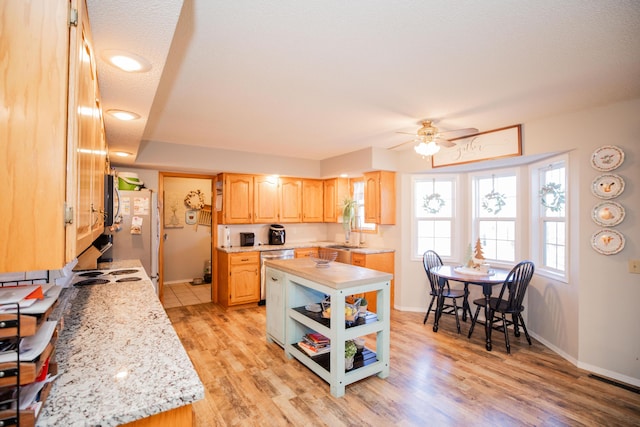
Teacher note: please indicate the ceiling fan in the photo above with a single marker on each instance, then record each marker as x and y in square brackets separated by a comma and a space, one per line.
[429, 139]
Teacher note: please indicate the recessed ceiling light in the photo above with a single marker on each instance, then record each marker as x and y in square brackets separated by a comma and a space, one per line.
[122, 153]
[344, 175]
[123, 115]
[126, 61]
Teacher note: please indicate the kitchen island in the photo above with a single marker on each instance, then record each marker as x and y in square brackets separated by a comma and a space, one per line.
[120, 361]
[295, 284]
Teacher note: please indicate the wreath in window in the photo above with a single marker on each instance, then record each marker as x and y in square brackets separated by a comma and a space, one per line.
[552, 196]
[493, 202]
[433, 203]
[194, 200]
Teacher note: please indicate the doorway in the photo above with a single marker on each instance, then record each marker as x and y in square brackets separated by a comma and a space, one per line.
[187, 231]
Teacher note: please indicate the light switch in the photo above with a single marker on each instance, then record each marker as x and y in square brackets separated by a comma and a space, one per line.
[634, 266]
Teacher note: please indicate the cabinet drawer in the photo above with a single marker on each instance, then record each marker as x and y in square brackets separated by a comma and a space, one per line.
[359, 259]
[244, 258]
[306, 252]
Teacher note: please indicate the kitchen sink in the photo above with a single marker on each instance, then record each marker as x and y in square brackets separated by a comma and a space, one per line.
[342, 247]
[344, 254]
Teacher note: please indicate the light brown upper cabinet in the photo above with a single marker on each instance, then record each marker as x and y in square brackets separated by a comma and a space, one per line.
[88, 130]
[266, 199]
[312, 200]
[380, 197]
[290, 200]
[40, 132]
[237, 199]
[335, 191]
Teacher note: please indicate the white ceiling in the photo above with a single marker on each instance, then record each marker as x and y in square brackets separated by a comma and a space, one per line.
[317, 79]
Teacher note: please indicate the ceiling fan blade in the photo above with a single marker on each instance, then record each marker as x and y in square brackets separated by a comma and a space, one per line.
[445, 143]
[407, 133]
[458, 133]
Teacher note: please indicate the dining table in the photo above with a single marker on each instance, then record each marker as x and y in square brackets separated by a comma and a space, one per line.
[494, 276]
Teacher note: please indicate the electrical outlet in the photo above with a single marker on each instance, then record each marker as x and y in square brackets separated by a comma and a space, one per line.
[634, 266]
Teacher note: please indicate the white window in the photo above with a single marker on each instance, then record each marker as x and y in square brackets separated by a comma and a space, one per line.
[495, 215]
[549, 201]
[433, 213]
[358, 196]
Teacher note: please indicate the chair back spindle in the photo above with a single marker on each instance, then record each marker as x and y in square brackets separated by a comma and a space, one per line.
[431, 259]
[515, 285]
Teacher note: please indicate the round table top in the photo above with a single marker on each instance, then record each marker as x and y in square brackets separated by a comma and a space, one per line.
[495, 275]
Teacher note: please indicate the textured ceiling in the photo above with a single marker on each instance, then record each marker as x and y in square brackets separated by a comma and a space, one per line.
[317, 79]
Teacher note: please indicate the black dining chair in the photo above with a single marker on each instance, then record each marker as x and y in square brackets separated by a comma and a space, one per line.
[508, 302]
[431, 259]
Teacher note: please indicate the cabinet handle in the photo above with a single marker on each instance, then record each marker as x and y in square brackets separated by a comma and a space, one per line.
[273, 279]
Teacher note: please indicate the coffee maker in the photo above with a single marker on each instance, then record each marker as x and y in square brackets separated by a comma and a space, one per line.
[276, 234]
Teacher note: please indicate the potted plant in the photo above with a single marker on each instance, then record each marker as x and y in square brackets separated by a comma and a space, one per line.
[348, 214]
[350, 351]
[362, 305]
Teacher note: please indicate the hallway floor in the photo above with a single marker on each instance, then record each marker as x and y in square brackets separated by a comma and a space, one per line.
[182, 294]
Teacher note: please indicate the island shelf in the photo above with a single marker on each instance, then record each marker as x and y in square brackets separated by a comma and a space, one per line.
[302, 284]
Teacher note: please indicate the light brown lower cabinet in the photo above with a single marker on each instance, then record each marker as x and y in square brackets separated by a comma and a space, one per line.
[238, 278]
[306, 252]
[178, 417]
[379, 261]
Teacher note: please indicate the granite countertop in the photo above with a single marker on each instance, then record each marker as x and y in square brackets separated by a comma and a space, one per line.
[337, 275]
[119, 358]
[301, 245]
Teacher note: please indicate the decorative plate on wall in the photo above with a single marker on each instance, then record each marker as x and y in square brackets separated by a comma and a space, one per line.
[607, 186]
[607, 158]
[607, 241]
[607, 214]
[190, 216]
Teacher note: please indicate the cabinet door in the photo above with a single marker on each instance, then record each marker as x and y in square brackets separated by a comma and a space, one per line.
[380, 197]
[371, 197]
[290, 200]
[244, 284]
[265, 199]
[35, 52]
[99, 169]
[381, 262]
[334, 192]
[89, 130]
[238, 199]
[312, 200]
[275, 282]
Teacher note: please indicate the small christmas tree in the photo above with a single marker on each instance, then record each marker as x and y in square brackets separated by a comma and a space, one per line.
[478, 250]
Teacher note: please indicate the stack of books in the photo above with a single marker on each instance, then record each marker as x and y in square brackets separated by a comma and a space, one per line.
[315, 344]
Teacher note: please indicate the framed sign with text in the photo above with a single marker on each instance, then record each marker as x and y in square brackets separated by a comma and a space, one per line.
[489, 145]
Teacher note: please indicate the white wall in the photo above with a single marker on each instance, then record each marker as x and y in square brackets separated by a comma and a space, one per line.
[602, 294]
[592, 320]
[186, 249]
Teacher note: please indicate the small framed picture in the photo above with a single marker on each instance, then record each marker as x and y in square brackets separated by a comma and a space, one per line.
[190, 217]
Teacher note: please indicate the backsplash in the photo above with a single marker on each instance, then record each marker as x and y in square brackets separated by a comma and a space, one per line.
[61, 277]
[300, 233]
[24, 278]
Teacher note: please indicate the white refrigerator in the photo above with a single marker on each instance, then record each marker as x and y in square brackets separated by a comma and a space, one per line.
[135, 233]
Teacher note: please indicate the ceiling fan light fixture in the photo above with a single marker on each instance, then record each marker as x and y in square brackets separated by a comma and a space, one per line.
[427, 148]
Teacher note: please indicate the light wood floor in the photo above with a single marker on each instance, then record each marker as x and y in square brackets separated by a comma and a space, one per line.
[436, 379]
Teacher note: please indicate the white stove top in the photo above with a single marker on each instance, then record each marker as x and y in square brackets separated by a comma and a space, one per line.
[114, 275]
